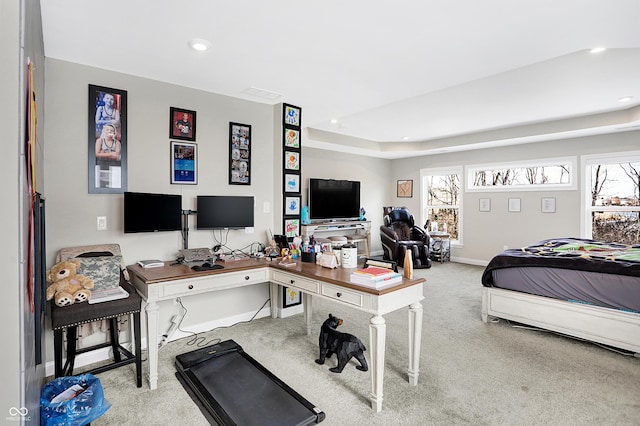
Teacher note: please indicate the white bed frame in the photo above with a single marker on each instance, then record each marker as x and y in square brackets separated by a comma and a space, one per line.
[607, 326]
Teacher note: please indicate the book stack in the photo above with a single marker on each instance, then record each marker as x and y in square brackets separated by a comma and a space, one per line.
[375, 277]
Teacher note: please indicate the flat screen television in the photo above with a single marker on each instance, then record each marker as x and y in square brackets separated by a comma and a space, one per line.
[145, 212]
[331, 199]
[224, 212]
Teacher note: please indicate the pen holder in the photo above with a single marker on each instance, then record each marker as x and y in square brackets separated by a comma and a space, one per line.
[309, 257]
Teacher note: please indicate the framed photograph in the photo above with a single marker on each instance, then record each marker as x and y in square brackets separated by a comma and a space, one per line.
[291, 160]
[291, 115]
[107, 140]
[291, 183]
[548, 205]
[184, 163]
[291, 138]
[292, 227]
[292, 206]
[485, 204]
[182, 124]
[514, 205]
[239, 154]
[405, 188]
[290, 297]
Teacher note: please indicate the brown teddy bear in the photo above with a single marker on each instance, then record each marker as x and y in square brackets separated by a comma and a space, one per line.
[67, 288]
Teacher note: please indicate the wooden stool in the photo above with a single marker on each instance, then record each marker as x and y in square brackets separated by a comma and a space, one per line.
[359, 238]
[70, 317]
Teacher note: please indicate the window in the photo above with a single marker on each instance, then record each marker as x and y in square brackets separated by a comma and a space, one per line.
[547, 174]
[611, 193]
[442, 200]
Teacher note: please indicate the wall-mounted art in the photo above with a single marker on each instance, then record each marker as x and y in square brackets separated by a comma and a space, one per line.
[405, 188]
[291, 138]
[291, 182]
[292, 115]
[239, 154]
[291, 160]
[107, 131]
[292, 206]
[184, 163]
[182, 124]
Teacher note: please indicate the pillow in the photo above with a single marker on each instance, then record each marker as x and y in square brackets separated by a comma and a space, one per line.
[103, 270]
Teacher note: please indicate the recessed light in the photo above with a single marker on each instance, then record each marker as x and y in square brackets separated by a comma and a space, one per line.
[405, 138]
[334, 121]
[199, 44]
[598, 49]
[625, 99]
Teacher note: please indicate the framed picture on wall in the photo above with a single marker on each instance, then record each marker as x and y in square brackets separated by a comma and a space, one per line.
[107, 140]
[184, 163]
[291, 160]
[182, 124]
[291, 227]
[291, 182]
[239, 154]
[292, 206]
[405, 188]
[290, 297]
[291, 115]
[291, 138]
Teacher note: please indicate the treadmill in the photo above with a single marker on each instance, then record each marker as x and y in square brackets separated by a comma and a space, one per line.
[232, 388]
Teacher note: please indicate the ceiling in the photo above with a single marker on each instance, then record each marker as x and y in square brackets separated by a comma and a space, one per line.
[376, 78]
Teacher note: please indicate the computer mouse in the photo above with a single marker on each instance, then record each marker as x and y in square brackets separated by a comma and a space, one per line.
[207, 265]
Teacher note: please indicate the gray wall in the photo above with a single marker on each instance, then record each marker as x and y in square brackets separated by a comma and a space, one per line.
[21, 38]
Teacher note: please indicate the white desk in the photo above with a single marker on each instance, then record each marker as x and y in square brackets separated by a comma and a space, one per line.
[168, 282]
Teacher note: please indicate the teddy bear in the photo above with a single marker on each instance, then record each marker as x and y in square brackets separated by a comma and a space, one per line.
[67, 288]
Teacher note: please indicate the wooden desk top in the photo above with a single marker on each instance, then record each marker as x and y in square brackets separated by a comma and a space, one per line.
[338, 276]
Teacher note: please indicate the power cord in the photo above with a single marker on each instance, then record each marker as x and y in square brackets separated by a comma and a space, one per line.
[201, 340]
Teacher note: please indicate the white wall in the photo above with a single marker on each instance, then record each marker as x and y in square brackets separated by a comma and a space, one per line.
[485, 234]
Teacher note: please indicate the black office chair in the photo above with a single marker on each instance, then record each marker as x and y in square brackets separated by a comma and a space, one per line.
[399, 234]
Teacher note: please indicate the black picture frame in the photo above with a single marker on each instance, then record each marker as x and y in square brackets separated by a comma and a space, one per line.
[291, 297]
[291, 115]
[107, 140]
[239, 154]
[184, 163]
[182, 124]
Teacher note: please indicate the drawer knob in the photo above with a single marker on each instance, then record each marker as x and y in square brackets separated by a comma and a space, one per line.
[339, 294]
[292, 281]
[247, 278]
[190, 286]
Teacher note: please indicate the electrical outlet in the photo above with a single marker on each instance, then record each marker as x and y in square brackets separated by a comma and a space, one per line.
[266, 207]
[505, 247]
[249, 230]
[102, 223]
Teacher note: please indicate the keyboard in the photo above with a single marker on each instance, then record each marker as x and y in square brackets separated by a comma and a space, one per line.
[206, 267]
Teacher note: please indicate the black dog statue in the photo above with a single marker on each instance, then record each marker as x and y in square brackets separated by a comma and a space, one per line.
[344, 345]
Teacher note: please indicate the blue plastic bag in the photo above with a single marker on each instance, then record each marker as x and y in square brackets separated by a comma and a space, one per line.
[83, 408]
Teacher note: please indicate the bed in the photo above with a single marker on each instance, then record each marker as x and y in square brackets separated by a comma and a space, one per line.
[578, 287]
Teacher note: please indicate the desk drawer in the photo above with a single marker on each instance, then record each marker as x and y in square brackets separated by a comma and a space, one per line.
[344, 295]
[291, 280]
[215, 282]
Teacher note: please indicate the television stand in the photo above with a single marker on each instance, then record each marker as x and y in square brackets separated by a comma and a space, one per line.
[343, 227]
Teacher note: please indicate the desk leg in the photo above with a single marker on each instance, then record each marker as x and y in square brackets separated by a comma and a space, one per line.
[377, 341]
[153, 314]
[273, 296]
[415, 340]
[307, 301]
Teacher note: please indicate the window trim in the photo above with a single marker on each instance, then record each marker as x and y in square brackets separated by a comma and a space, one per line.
[459, 170]
[542, 162]
[586, 161]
